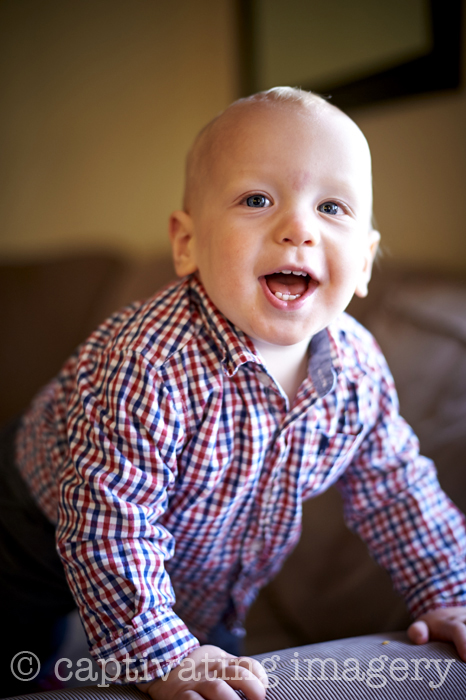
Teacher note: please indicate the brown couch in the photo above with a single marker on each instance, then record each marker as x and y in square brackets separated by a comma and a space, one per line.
[329, 588]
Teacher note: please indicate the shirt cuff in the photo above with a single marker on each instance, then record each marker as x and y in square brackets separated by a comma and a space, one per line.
[150, 648]
[444, 591]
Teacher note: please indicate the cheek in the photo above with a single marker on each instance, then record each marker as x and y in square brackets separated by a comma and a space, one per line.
[208, 251]
[346, 264]
[217, 265]
[232, 252]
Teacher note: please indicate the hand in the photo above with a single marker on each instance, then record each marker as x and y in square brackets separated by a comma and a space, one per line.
[444, 624]
[210, 673]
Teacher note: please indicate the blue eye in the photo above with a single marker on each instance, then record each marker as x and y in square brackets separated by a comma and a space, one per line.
[257, 201]
[329, 208]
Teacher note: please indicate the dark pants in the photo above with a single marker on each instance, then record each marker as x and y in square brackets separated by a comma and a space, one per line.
[34, 595]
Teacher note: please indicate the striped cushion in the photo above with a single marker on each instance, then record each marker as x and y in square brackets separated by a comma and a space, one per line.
[378, 667]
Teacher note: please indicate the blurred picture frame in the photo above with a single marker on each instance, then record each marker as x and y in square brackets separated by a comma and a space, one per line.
[413, 47]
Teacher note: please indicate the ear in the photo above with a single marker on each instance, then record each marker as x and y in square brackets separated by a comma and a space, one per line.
[182, 239]
[365, 276]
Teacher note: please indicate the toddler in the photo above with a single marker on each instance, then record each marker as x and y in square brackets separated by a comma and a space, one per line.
[171, 455]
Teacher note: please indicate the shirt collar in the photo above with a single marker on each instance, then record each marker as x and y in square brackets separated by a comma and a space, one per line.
[344, 352]
[235, 347]
[321, 368]
[334, 346]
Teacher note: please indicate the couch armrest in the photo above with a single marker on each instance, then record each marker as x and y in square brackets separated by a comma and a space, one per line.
[113, 692]
[368, 668]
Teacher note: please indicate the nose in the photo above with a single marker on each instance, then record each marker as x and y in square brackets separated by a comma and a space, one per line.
[299, 228]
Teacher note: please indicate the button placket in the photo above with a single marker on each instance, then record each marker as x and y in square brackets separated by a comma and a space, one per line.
[273, 487]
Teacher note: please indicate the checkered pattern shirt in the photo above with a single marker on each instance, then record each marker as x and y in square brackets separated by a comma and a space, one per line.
[175, 470]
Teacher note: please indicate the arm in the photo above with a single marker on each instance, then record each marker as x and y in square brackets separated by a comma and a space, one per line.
[123, 433]
[394, 502]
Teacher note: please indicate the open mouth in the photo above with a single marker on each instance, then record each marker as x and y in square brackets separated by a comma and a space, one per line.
[288, 285]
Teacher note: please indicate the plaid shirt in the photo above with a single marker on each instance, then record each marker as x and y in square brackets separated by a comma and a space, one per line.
[173, 465]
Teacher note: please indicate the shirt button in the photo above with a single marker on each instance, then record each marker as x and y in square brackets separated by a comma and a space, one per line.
[111, 668]
[266, 380]
[256, 546]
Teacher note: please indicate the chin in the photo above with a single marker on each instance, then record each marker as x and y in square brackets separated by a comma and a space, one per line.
[283, 339]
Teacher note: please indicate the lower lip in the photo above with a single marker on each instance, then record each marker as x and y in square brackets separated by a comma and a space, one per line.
[292, 304]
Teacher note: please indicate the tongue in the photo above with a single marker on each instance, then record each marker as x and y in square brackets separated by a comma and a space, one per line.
[286, 284]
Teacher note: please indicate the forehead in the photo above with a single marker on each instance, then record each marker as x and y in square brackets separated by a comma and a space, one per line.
[299, 141]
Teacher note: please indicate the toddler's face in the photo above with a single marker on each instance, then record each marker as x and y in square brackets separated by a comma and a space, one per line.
[279, 230]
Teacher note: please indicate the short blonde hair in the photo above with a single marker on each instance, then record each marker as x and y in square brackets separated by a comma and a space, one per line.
[284, 94]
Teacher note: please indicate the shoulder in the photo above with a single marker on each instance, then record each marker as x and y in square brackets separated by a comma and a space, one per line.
[364, 371]
[358, 350]
[154, 328]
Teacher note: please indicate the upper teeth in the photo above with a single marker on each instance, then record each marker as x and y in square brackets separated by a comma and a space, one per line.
[293, 272]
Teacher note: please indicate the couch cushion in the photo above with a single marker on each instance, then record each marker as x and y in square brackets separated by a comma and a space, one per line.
[421, 327]
[46, 311]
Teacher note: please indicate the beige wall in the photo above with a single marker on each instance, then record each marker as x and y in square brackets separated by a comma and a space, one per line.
[100, 100]
[419, 156]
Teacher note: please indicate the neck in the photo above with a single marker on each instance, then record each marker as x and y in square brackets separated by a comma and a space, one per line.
[286, 363]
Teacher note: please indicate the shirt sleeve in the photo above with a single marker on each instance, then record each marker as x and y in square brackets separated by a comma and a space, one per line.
[393, 500]
[123, 433]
